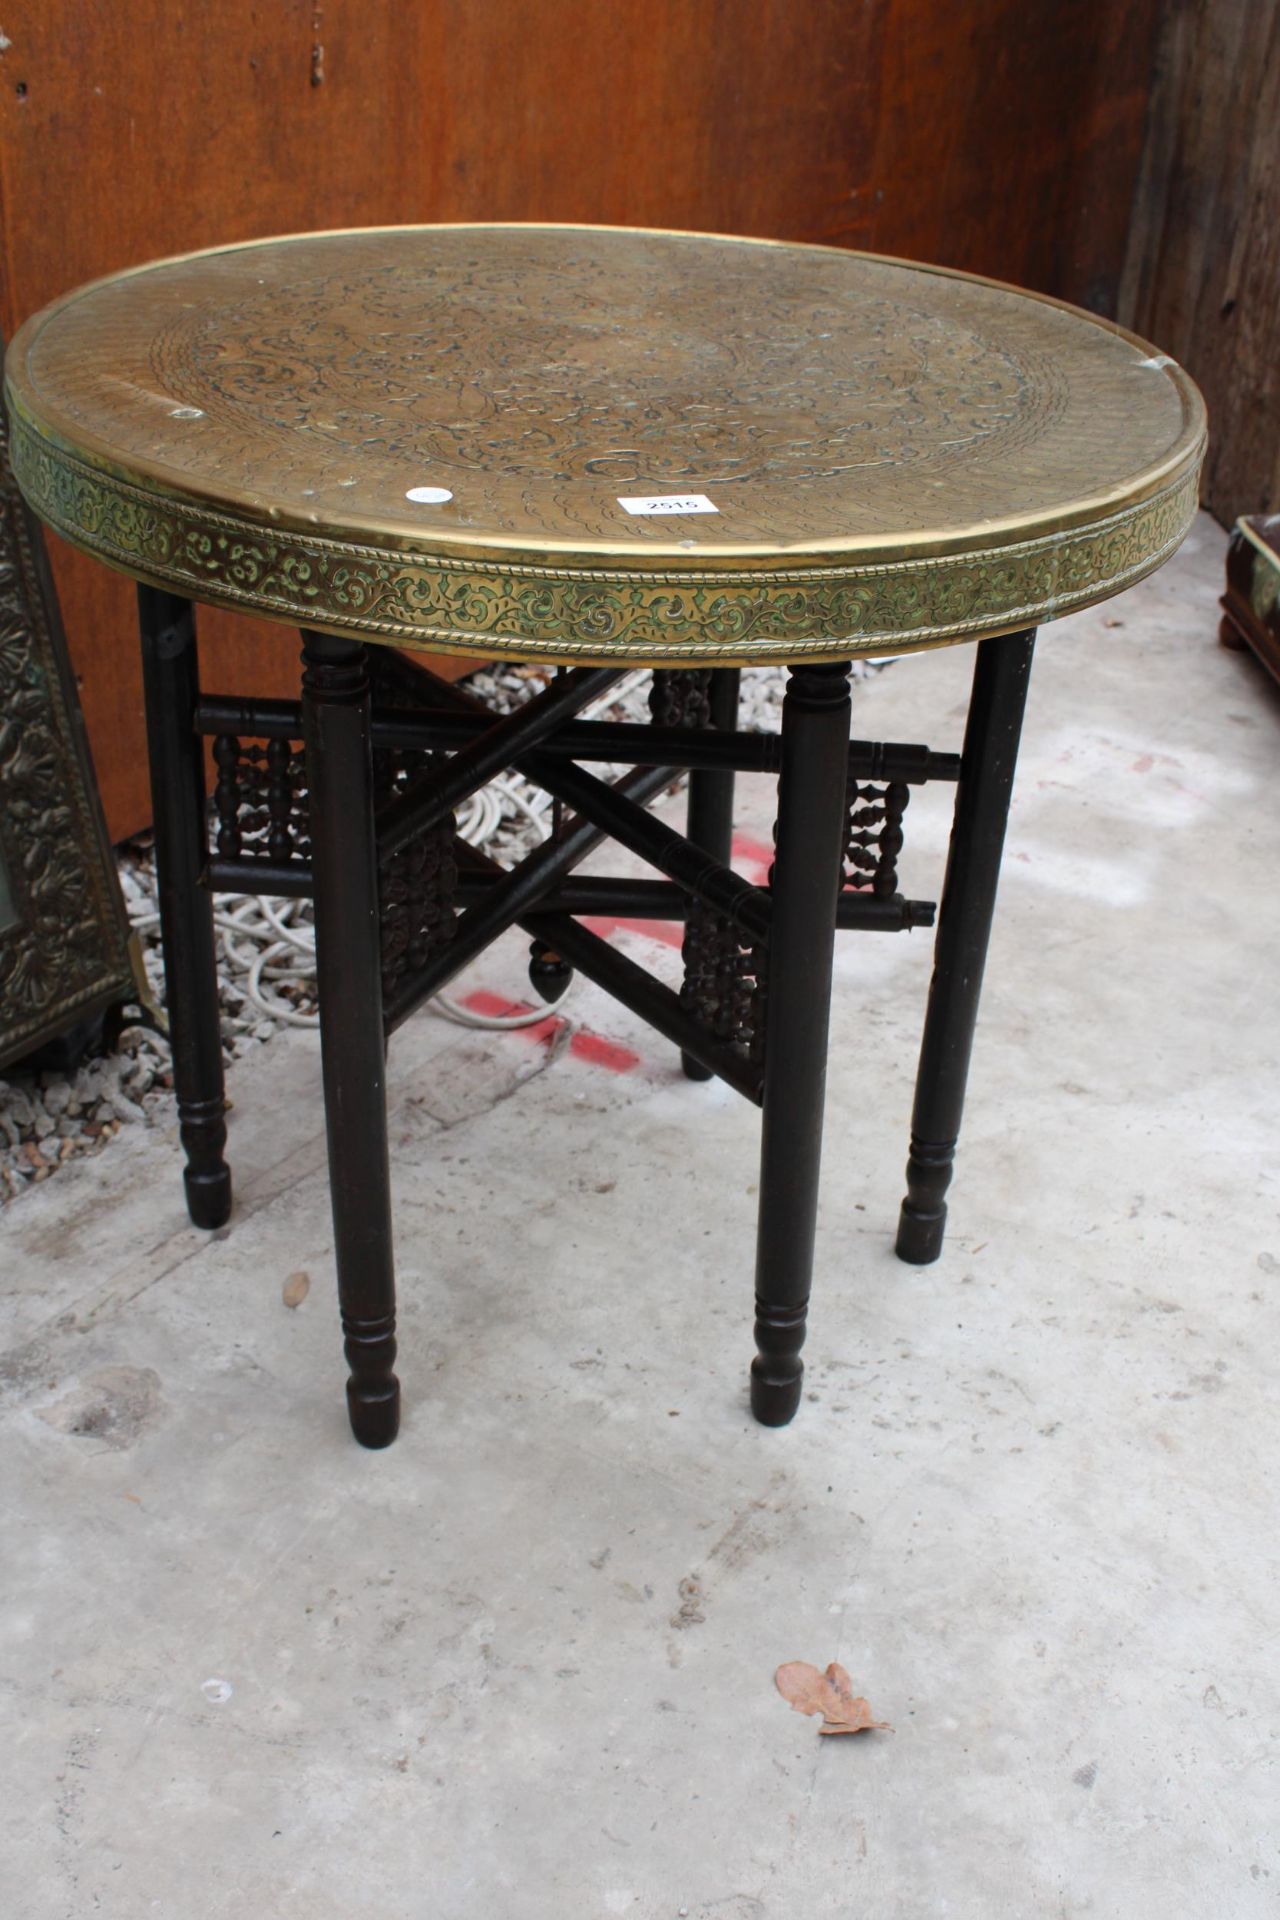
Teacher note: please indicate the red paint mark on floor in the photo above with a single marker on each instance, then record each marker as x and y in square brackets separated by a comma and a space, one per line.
[592, 1047]
[609, 1054]
[1144, 763]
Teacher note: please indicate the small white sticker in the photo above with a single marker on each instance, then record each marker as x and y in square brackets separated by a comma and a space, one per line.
[428, 496]
[667, 503]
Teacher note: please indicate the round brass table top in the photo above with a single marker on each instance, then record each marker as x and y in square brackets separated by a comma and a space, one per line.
[596, 443]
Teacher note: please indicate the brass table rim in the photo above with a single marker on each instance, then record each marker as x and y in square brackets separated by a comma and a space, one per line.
[657, 556]
[409, 577]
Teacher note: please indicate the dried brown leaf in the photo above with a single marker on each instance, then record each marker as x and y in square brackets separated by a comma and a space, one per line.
[830, 1694]
[807, 1690]
[294, 1291]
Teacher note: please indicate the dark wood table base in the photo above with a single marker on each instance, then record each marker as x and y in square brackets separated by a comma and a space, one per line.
[347, 796]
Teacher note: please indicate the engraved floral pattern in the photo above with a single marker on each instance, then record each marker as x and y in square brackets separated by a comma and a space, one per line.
[597, 401]
[819, 397]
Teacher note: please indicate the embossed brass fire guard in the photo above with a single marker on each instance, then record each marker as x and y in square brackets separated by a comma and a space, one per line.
[347, 796]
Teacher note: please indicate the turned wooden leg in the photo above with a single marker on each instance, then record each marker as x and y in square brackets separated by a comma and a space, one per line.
[807, 875]
[171, 689]
[710, 816]
[1001, 673]
[335, 685]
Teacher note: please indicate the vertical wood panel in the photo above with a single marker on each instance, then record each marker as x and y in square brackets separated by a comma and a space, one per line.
[993, 136]
[1202, 275]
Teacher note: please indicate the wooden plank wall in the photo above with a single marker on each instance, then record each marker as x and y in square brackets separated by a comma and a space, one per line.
[1202, 276]
[995, 136]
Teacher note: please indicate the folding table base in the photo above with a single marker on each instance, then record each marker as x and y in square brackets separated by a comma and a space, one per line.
[348, 797]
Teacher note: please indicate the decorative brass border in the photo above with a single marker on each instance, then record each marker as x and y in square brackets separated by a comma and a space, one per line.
[529, 610]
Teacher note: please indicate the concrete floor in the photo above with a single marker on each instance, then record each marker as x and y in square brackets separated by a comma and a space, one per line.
[522, 1665]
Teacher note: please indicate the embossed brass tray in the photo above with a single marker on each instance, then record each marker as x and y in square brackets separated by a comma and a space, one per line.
[426, 435]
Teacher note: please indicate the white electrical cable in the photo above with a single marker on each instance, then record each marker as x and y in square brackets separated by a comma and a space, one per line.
[475, 832]
[498, 1022]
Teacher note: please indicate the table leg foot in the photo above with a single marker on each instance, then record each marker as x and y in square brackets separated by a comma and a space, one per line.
[375, 1419]
[812, 811]
[777, 1372]
[373, 1392]
[922, 1221]
[206, 1176]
